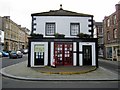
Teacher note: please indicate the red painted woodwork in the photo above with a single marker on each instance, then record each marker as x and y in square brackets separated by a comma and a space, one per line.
[63, 53]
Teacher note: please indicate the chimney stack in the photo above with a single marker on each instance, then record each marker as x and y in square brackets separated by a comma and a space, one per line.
[117, 6]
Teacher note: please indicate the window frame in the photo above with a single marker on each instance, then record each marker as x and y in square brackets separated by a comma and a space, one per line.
[114, 19]
[46, 28]
[71, 28]
[108, 22]
[115, 33]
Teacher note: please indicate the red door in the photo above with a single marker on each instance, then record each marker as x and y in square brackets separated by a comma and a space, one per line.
[63, 53]
[68, 54]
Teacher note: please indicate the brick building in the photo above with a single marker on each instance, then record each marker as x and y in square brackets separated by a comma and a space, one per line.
[98, 29]
[112, 35]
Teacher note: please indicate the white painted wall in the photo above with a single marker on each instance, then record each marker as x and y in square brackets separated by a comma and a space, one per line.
[74, 54]
[52, 53]
[93, 53]
[45, 51]
[62, 24]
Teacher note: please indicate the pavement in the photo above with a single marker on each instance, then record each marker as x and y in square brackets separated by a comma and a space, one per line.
[87, 73]
[110, 61]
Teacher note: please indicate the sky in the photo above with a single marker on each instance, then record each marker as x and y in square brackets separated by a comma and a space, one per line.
[20, 10]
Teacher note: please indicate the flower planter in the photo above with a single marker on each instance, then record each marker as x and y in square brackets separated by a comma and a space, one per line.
[37, 36]
[82, 35]
[59, 35]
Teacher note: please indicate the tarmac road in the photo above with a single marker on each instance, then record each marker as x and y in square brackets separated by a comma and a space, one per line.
[7, 62]
[113, 66]
[12, 83]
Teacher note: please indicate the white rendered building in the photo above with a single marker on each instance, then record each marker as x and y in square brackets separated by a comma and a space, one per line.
[70, 50]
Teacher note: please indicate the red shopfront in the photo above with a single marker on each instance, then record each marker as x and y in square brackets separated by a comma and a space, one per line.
[63, 53]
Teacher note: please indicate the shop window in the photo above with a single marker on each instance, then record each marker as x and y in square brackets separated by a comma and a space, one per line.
[39, 54]
[114, 53]
[109, 52]
[50, 29]
[118, 52]
[74, 29]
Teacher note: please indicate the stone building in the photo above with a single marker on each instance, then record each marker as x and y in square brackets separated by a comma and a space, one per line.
[26, 33]
[1, 35]
[15, 35]
[111, 25]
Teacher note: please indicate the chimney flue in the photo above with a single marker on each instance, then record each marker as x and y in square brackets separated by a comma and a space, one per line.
[117, 6]
[61, 7]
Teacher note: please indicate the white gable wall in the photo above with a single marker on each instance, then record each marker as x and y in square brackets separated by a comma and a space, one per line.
[62, 24]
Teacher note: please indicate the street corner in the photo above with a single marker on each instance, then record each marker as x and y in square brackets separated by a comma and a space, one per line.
[22, 72]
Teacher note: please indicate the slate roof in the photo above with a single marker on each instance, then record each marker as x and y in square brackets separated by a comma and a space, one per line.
[61, 12]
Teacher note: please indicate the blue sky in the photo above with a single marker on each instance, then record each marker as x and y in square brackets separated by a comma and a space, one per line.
[20, 10]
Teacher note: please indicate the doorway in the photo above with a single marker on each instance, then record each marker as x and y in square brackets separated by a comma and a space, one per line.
[39, 54]
[87, 55]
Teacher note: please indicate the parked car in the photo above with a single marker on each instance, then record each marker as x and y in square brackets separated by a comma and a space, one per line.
[0, 54]
[4, 54]
[19, 54]
[13, 54]
[8, 52]
[25, 51]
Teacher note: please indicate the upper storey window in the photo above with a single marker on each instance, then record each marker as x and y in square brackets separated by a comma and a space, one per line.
[74, 29]
[114, 19]
[50, 29]
[108, 22]
[115, 33]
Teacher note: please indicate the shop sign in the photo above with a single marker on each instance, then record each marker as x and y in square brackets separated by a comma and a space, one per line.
[39, 48]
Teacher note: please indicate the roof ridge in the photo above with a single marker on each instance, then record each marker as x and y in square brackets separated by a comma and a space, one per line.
[60, 12]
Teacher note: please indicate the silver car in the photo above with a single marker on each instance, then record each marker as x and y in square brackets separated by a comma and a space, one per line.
[19, 54]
